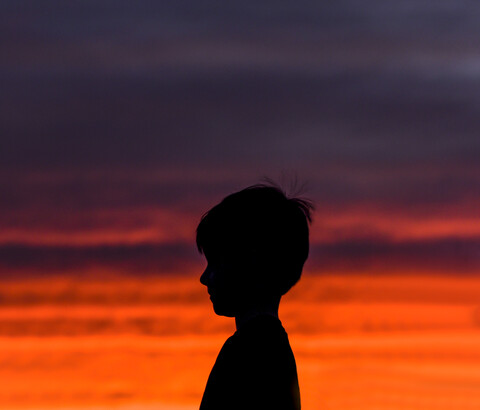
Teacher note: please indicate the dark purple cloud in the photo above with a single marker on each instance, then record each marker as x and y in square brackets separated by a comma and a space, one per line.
[380, 255]
[93, 85]
[238, 118]
[142, 259]
[109, 107]
[375, 254]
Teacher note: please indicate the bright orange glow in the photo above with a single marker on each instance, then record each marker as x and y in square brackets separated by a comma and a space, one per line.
[361, 342]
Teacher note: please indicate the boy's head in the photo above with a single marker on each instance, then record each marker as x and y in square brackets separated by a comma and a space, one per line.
[256, 243]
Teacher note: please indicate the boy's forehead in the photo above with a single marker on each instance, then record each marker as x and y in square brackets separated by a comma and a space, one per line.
[215, 253]
[222, 253]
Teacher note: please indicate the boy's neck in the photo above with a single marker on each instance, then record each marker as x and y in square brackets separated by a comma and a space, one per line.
[270, 309]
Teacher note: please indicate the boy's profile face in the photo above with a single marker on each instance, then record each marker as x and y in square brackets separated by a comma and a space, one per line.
[255, 242]
[227, 287]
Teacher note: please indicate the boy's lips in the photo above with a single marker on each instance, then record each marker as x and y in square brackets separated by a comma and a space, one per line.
[213, 294]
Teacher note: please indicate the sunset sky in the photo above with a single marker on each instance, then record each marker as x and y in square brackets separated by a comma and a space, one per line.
[121, 123]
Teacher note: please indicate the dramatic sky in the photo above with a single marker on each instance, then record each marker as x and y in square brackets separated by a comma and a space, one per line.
[122, 122]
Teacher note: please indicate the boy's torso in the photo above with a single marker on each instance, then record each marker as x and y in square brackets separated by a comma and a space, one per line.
[255, 369]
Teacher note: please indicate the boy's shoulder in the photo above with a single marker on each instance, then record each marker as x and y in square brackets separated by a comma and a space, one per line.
[256, 366]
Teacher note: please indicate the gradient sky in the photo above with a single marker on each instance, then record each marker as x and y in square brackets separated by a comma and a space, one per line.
[122, 122]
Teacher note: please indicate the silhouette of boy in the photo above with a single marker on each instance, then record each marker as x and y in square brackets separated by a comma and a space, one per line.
[256, 243]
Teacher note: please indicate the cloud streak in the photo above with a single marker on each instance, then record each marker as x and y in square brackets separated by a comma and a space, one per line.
[376, 255]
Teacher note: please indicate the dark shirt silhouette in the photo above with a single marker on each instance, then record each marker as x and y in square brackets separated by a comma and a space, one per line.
[255, 369]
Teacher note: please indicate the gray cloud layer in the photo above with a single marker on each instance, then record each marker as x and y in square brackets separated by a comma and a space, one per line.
[95, 84]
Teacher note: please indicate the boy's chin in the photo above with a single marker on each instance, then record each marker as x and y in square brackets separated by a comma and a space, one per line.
[222, 310]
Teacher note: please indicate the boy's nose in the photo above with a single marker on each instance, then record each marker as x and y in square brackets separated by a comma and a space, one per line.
[206, 275]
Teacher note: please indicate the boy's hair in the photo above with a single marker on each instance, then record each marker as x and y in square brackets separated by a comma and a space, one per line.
[260, 231]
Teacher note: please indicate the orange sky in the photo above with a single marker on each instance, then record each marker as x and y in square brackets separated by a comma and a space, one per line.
[361, 342]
